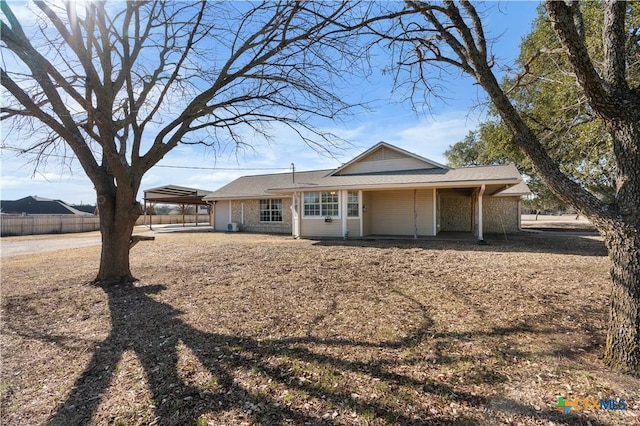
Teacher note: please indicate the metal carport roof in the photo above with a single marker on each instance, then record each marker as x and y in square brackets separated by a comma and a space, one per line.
[173, 194]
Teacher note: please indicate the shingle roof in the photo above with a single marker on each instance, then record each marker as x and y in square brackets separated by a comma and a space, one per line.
[272, 184]
[85, 208]
[257, 185]
[517, 190]
[38, 205]
[425, 177]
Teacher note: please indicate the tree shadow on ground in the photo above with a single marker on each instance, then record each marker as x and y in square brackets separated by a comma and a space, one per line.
[587, 244]
[153, 331]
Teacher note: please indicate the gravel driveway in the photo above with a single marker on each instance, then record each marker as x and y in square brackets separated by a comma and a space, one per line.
[14, 246]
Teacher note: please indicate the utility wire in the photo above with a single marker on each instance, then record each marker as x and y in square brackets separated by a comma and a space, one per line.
[167, 166]
[221, 168]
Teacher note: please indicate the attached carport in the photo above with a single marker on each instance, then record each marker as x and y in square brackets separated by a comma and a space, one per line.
[179, 195]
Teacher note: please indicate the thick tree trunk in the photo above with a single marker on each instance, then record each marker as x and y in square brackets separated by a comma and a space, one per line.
[623, 339]
[623, 240]
[117, 219]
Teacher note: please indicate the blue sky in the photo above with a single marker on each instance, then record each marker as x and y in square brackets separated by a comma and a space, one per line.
[426, 133]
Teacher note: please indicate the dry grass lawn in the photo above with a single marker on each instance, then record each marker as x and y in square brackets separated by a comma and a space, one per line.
[252, 329]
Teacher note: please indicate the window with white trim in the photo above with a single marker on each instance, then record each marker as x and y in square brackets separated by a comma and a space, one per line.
[353, 204]
[271, 210]
[321, 204]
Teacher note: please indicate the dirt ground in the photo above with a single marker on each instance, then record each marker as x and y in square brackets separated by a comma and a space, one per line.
[561, 223]
[238, 329]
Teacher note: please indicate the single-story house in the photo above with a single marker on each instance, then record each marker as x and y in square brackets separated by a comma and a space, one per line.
[384, 191]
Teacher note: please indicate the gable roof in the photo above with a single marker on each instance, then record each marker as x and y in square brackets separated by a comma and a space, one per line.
[382, 152]
[429, 174]
[498, 176]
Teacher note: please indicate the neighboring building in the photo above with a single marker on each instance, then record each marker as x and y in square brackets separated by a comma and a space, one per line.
[384, 191]
[34, 205]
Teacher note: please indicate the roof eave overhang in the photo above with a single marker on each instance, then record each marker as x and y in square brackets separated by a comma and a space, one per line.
[514, 194]
[455, 184]
[211, 198]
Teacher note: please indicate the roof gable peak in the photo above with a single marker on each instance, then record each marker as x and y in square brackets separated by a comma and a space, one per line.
[384, 157]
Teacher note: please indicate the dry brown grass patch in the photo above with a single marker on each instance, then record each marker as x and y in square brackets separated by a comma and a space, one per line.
[253, 329]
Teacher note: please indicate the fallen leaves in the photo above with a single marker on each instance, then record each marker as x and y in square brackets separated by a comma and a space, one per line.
[254, 329]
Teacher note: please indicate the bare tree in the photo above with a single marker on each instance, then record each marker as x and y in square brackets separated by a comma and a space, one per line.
[450, 34]
[122, 84]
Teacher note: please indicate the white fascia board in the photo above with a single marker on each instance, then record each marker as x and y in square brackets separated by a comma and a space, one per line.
[241, 197]
[460, 184]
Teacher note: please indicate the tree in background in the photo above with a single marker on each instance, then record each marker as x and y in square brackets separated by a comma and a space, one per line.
[118, 85]
[606, 92]
[487, 146]
[480, 149]
[469, 152]
[545, 94]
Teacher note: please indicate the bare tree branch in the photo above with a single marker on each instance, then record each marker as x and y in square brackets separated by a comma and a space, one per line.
[124, 83]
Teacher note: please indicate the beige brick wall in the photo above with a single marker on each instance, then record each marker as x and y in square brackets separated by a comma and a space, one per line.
[249, 210]
[500, 214]
[455, 213]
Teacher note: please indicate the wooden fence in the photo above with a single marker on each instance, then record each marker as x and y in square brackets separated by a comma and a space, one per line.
[63, 224]
[47, 224]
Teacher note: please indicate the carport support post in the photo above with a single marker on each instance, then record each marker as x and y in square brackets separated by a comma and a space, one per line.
[151, 215]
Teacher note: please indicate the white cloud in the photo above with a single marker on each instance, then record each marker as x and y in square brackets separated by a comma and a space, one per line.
[19, 182]
[428, 137]
[431, 138]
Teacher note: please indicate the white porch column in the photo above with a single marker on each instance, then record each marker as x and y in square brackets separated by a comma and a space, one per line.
[343, 212]
[295, 218]
[480, 237]
[361, 214]
[435, 212]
